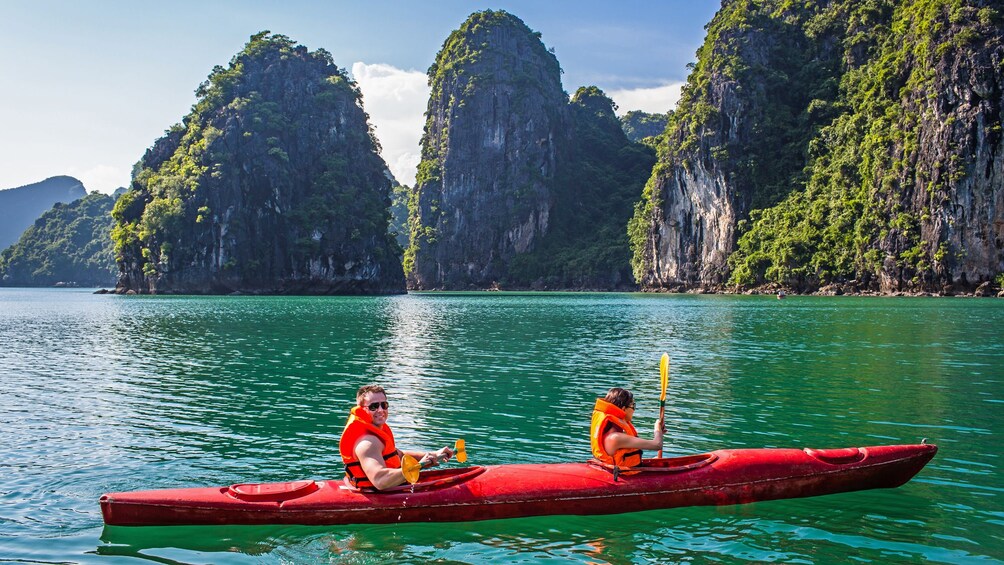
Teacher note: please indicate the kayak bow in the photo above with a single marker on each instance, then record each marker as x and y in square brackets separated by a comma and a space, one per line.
[728, 476]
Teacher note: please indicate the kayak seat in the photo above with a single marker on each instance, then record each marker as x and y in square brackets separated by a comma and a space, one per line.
[837, 456]
[272, 492]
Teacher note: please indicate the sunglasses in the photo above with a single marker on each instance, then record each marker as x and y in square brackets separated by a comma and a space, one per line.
[374, 405]
[631, 406]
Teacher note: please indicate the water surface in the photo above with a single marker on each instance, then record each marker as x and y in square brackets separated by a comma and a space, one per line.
[106, 393]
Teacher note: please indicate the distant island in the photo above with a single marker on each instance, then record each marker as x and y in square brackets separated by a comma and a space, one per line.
[69, 245]
[21, 206]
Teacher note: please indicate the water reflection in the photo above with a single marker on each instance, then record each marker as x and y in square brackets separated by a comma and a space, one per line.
[411, 365]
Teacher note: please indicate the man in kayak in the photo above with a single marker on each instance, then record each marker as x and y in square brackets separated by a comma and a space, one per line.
[612, 435]
[372, 460]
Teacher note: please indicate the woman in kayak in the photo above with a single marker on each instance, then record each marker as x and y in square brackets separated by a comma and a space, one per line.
[372, 460]
[612, 435]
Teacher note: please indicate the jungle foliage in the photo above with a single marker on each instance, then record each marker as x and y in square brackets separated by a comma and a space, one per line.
[811, 111]
[71, 243]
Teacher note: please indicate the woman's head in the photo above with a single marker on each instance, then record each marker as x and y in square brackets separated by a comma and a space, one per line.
[620, 397]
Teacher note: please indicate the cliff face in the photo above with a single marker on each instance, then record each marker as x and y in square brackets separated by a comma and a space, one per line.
[736, 141]
[272, 184]
[957, 187]
[835, 143]
[495, 127]
[519, 186]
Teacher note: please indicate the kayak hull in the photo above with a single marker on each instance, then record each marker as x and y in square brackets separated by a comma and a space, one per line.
[731, 476]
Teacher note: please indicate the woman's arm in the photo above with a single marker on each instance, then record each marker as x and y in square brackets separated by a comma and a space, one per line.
[620, 440]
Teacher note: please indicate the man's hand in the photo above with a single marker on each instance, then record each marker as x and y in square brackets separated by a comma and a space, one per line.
[433, 458]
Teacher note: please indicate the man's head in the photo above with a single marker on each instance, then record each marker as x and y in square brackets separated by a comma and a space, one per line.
[621, 398]
[373, 399]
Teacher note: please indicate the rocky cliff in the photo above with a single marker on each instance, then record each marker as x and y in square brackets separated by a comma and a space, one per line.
[836, 144]
[495, 123]
[736, 140]
[519, 187]
[272, 184]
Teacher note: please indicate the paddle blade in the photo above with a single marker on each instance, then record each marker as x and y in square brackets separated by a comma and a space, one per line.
[410, 468]
[460, 450]
[663, 375]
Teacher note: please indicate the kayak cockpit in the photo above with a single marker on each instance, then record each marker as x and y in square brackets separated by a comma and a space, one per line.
[428, 480]
[272, 492]
[664, 465]
[840, 456]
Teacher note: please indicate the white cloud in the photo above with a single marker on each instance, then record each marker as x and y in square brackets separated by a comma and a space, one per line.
[396, 100]
[657, 100]
[103, 178]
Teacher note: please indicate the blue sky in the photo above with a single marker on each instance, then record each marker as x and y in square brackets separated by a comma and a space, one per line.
[88, 86]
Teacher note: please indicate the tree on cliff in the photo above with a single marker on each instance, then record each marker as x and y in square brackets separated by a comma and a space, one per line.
[272, 183]
[638, 125]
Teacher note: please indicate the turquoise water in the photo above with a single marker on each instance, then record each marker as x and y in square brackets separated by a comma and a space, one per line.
[107, 393]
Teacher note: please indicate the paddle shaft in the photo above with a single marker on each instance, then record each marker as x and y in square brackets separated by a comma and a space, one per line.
[663, 383]
[662, 413]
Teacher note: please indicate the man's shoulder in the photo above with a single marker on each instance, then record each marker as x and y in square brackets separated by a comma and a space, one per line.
[369, 438]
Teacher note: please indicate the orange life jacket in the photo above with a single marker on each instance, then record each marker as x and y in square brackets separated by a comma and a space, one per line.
[360, 423]
[609, 418]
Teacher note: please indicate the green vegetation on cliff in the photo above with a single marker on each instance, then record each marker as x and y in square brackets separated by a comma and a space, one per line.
[71, 243]
[518, 186]
[760, 89]
[832, 141]
[854, 218]
[398, 227]
[272, 183]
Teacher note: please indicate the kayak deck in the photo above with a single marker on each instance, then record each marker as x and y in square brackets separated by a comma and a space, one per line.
[730, 476]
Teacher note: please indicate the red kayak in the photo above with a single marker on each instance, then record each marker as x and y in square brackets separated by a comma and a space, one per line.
[728, 476]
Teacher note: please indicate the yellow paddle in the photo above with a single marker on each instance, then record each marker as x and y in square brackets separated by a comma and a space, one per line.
[410, 467]
[664, 382]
